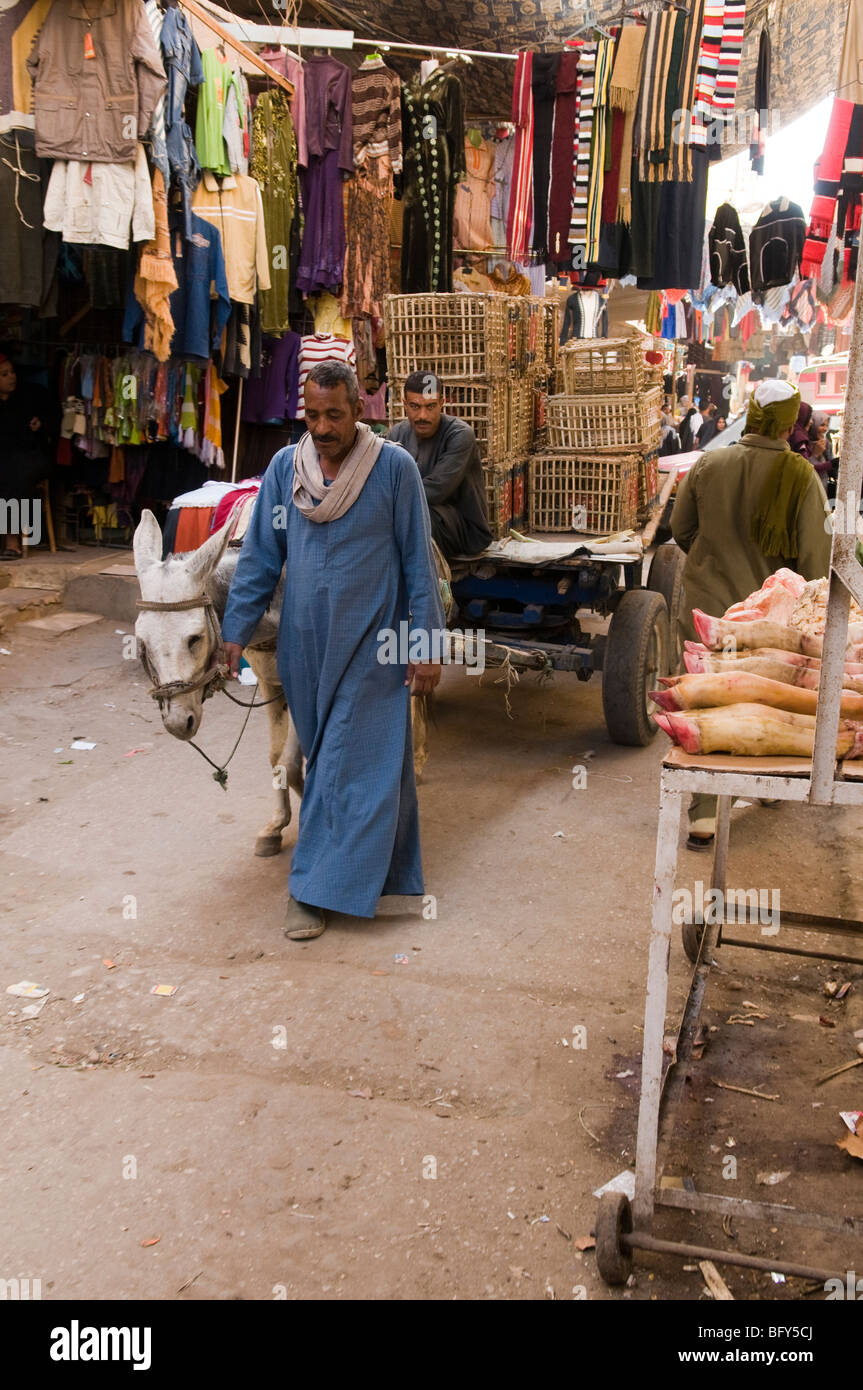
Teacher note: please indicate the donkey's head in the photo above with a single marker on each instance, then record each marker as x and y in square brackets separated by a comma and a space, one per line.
[177, 643]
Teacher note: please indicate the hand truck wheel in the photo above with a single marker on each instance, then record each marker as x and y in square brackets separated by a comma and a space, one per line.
[692, 935]
[613, 1220]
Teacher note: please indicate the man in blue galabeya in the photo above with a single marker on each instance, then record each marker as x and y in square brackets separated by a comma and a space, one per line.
[344, 513]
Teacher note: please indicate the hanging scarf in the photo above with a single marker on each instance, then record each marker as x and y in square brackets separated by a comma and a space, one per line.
[156, 280]
[520, 216]
[602, 77]
[623, 96]
[680, 170]
[211, 444]
[650, 120]
[581, 171]
[340, 496]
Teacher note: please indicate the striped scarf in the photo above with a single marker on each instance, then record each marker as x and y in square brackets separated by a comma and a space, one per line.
[520, 216]
[581, 172]
[651, 108]
[680, 169]
[602, 81]
[718, 64]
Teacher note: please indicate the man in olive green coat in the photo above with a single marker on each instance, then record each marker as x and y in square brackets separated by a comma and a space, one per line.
[741, 514]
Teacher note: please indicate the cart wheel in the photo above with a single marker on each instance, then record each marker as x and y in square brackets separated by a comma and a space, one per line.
[636, 655]
[665, 577]
[692, 940]
[613, 1220]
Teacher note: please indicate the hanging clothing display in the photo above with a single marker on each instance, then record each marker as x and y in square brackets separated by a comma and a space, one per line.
[274, 167]
[520, 215]
[433, 125]
[155, 280]
[235, 127]
[321, 347]
[156, 134]
[274, 395]
[28, 251]
[776, 245]
[98, 204]
[294, 70]
[728, 261]
[234, 207]
[543, 83]
[20, 22]
[562, 148]
[329, 137]
[504, 158]
[97, 75]
[198, 264]
[219, 79]
[762, 102]
[472, 228]
[584, 135]
[377, 131]
[601, 79]
[623, 96]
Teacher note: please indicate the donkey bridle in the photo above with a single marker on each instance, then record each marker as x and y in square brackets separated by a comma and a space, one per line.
[210, 680]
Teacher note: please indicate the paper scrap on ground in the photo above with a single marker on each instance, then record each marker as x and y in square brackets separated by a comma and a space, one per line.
[80, 745]
[26, 989]
[624, 1182]
[164, 991]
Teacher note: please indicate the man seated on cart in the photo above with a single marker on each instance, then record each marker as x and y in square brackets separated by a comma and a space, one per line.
[447, 455]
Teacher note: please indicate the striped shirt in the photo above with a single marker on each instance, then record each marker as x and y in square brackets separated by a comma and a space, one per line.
[322, 347]
[377, 113]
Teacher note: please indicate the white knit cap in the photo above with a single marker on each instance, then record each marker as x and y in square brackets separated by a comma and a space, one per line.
[769, 392]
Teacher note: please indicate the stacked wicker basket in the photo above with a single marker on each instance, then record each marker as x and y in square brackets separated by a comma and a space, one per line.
[493, 355]
[601, 464]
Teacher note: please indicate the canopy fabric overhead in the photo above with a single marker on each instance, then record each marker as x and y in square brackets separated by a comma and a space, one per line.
[806, 36]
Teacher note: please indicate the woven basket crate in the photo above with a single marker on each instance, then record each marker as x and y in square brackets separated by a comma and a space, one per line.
[596, 366]
[520, 511]
[648, 479]
[498, 497]
[603, 487]
[612, 423]
[460, 337]
[532, 357]
[486, 408]
[521, 414]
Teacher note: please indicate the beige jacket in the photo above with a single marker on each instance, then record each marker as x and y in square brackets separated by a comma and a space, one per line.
[711, 521]
[235, 209]
[100, 212]
[99, 107]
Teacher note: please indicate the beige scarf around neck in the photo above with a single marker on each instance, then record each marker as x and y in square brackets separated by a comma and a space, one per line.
[340, 496]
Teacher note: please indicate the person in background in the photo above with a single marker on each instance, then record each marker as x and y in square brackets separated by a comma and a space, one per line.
[721, 424]
[689, 427]
[24, 457]
[669, 438]
[741, 513]
[708, 428]
[800, 438]
[447, 455]
[820, 448]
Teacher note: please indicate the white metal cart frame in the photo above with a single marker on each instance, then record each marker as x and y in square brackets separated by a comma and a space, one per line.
[621, 1228]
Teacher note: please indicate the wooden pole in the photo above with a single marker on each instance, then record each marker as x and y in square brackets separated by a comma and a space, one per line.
[237, 431]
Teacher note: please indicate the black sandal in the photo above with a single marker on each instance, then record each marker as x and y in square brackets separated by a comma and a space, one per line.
[10, 554]
[700, 842]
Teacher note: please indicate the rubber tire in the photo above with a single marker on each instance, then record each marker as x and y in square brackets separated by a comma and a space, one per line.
[625, 675]
[665, 577]
[691, 935]
[613, 1219]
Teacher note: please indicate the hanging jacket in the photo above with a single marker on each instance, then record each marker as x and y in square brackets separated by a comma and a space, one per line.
[97, 208]
[776, 245]
[728, 263]
[97, 76]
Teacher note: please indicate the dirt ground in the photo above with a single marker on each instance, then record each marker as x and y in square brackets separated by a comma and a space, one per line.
[396, 1110]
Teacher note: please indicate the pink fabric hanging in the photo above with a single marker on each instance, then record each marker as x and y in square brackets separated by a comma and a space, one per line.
[520, 219]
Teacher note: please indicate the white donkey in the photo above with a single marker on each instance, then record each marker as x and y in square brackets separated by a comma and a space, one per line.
[179, 635]
[182, 604]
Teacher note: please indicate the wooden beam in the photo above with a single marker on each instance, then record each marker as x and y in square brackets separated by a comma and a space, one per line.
[192, 7]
